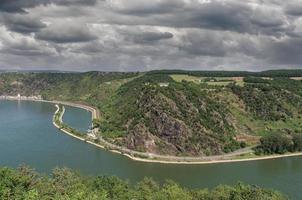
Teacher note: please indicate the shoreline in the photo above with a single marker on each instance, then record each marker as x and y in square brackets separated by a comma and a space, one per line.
[153, 158]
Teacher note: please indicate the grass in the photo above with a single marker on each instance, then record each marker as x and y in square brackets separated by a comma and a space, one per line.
[180, 78]
[219, 83]
[260, 127]
[248, 125]
[296, 78]
[62, 125]
[216, 81]
[224, 81]
[245, 156]
[240, 83]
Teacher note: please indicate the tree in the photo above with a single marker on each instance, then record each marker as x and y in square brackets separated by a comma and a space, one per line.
[275, 143]
[297, 140]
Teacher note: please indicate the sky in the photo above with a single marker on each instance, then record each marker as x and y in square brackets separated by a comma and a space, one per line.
[142, 35]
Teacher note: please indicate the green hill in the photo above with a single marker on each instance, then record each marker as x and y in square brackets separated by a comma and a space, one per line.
[180, 119]
[177, 112]
[187, 118]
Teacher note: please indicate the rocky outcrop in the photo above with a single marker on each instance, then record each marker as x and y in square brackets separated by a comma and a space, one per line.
[142, 140]
[172, 123]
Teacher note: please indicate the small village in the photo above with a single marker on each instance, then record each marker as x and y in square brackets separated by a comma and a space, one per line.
[20, 97]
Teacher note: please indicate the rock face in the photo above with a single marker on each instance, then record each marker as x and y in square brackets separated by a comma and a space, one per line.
[164, 133]
[141, 138]
[173, 121]
[171, 130]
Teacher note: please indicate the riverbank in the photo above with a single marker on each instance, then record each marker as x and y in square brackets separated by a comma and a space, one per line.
[246, 154]
[228, 158]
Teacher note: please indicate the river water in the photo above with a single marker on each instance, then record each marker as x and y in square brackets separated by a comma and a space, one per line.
[27, 136]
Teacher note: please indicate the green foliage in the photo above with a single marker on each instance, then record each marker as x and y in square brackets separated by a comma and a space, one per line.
[239, 191]
[270, 100]
[83, 87]
[279, 143]
[63, 126]
[275, 143]
[25, 184]
[180, 116]
[297, 142]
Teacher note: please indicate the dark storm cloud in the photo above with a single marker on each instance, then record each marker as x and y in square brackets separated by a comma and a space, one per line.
[215, 15]
[144, 35]
[150, 37]
[205, 44]
[66, 34]
[143, 8]
[294, 8]
[22, 23]
[286, 51]
[19, 6]
[74, 2]
[26, 47]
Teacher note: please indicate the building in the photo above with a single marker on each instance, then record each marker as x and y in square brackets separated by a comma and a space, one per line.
[163, 84]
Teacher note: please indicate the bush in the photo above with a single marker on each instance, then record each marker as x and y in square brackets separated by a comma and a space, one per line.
[275, 143]
[297, 140]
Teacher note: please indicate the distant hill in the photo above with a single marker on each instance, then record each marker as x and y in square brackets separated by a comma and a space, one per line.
[268, 73]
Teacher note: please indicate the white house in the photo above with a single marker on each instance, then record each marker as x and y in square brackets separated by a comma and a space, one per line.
[163, 84]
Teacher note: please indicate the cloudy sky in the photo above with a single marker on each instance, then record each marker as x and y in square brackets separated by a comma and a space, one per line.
[131, 35]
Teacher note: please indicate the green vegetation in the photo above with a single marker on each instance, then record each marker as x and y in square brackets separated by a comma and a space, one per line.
[168, 120]
[278, 143]
[63, 126]
[183, 77]
[27, 184]
[265, 102]
[211, 81]
[57, 116]
[275, 105]
[71, 130]
[269, 73]
[89, 87]
[174, 112]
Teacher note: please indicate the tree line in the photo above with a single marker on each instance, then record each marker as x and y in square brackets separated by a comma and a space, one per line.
[279, 143]
[63, 183]
[268, 73]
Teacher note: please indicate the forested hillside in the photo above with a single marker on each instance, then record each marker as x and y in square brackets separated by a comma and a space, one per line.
[25, 183]
[61, 86]
[200, 118]
[180, 119]
[179, 113]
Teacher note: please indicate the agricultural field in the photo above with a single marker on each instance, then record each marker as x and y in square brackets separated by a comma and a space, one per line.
[183, 77]
[212, 81]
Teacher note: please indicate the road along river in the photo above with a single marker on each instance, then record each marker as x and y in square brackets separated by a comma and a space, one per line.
[27, 136]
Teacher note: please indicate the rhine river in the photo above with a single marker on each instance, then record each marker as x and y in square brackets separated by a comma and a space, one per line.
[27, 136]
